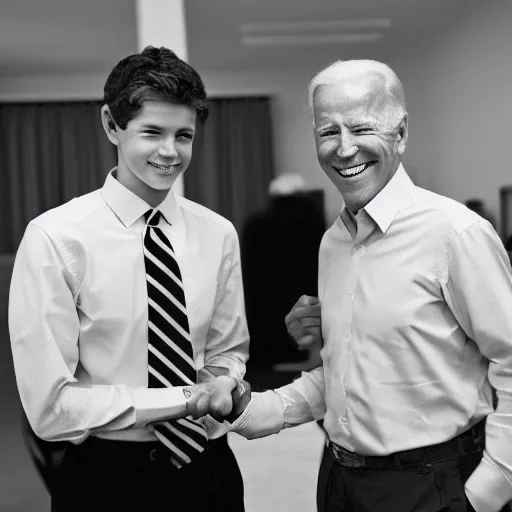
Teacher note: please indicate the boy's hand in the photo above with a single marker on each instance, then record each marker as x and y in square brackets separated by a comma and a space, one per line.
[213, 397]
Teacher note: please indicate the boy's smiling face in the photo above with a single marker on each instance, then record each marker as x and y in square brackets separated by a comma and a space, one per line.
[154, 149]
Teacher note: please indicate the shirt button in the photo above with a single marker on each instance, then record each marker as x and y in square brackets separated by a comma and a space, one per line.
[351, 292]
[347, 336]
[359, 250]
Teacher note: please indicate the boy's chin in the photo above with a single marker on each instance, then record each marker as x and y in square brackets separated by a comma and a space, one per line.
[162, 183]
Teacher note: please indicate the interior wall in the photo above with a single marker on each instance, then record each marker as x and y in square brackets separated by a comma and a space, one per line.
[458, 95]
[52, 87]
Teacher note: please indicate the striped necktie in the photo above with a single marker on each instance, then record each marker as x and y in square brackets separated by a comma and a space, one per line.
[170, 356]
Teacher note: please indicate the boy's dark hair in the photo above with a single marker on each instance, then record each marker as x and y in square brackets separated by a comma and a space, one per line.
[153, 74]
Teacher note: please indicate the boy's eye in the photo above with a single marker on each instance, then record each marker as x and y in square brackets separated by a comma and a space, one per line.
[151, 132]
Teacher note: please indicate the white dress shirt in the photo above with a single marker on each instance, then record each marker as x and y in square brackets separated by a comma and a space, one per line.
[78, 313]
[416, 301]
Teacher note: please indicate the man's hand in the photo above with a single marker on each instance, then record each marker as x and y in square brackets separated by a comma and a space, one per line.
[303, 322]
[213, 397]
[241, 397]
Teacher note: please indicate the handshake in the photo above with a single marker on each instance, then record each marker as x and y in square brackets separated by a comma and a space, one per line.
[226, 399]
[223, 398]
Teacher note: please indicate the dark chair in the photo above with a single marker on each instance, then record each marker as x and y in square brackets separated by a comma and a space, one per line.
[280, 263]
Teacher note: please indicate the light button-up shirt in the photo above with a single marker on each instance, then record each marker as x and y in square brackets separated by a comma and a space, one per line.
[78, 313]
[416, 300]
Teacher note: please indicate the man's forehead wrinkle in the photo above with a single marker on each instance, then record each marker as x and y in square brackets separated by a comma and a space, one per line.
[364, 107]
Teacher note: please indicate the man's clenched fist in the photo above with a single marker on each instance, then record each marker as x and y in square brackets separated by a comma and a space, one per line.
[303, 322]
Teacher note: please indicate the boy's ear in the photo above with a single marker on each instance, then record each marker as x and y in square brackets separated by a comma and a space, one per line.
[109, 125]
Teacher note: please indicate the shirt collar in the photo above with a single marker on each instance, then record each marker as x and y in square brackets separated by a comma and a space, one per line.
[384, 207]
[129, 207]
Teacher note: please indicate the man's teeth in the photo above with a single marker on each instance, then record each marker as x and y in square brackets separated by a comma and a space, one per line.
[353, 170]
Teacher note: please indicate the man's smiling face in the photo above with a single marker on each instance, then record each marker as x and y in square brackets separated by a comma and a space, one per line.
[358, 139]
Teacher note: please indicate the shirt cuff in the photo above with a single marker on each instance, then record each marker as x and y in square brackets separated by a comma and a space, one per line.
[297, 410]
[488, 489]
[154, 405]
[264, 415]
[232, 366]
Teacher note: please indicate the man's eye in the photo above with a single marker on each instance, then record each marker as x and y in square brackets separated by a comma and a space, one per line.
[188, 136]
[328, 133]
[151, 132]
[361, 130]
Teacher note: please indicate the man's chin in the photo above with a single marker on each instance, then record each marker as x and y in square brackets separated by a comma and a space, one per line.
[356, 199]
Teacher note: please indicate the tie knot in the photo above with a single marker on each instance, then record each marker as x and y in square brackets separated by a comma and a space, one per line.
[152, 217]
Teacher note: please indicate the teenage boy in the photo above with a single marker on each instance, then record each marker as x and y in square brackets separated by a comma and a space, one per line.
[127, 316]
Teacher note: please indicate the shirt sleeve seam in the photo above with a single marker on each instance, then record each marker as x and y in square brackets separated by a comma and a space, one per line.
[78, 281]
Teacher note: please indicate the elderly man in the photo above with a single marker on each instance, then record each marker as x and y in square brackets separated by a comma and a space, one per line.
[416, 293]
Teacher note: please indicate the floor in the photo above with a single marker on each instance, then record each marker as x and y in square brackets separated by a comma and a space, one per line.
[279, 471]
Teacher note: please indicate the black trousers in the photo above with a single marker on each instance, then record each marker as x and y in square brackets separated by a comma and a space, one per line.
[440, 488]
[117, 476]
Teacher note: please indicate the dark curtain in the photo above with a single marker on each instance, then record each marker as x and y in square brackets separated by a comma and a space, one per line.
[232, 163]
[49, 153]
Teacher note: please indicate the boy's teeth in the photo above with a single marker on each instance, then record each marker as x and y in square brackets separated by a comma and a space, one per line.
[163, 167]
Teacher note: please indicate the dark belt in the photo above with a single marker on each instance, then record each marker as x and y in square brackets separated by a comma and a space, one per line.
[149, 452]
[471, 441]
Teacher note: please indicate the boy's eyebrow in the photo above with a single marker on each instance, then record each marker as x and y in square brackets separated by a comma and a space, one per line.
[159, 127]
[151, 126]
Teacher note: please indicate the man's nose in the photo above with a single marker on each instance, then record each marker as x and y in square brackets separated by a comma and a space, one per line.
[168, 148]
[347, 146]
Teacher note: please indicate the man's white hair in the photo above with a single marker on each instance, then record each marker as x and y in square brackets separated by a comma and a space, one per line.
[343, 70]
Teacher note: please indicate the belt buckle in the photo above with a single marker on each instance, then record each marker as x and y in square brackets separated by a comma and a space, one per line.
[346, 458]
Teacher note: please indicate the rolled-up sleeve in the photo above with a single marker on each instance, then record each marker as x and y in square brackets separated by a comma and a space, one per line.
[227, 343]
[44, 329]
[478, 289]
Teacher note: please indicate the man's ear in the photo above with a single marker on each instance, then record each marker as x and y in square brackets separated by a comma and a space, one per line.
[402, 134]
[109, 125]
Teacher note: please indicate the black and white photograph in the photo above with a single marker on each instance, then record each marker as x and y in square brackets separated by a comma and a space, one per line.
[255, 256]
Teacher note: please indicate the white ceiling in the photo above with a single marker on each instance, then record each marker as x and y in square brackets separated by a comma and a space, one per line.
[50, 36]
[214, 39]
